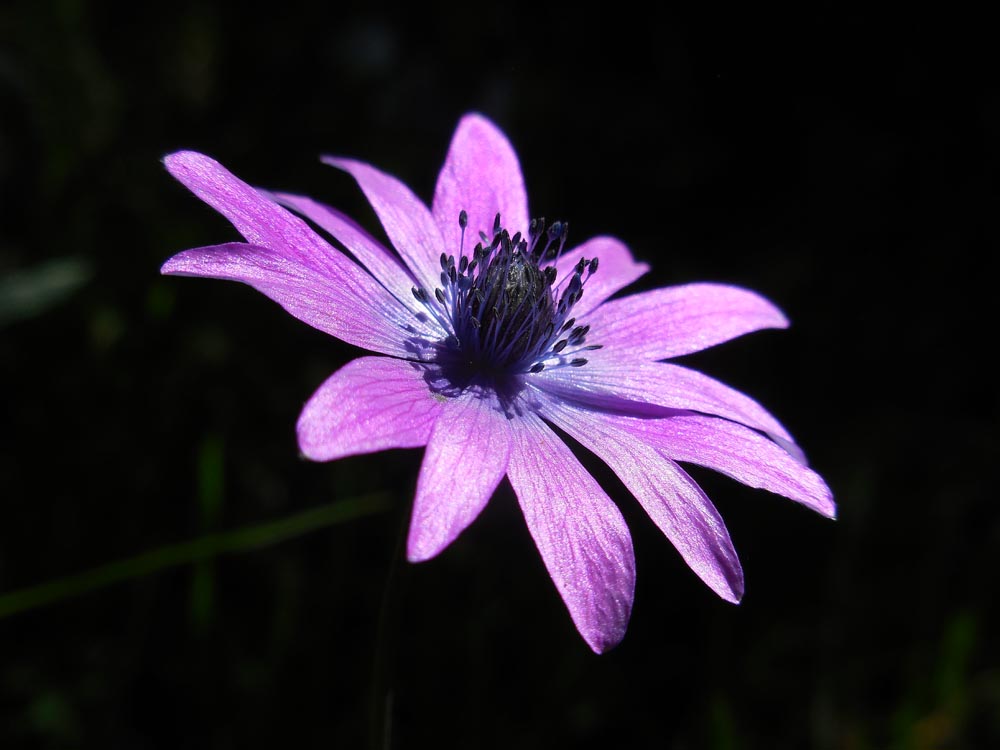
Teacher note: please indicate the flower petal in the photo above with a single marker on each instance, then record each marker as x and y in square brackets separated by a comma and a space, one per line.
[615, 271]
[608, 383]
[369, 252]
[342, 301]
[672, 499]
[481, 176]
[680, 320]
[737, 452]
[466, 458]
[258, 218]
[371, 404]
[405, 218]
[578, 530]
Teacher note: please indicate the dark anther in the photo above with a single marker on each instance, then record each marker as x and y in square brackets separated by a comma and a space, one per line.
[420, 294]
[593, 266]
[505, 307]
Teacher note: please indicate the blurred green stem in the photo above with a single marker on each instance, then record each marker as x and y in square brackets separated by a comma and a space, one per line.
[386, 637]
[184, 553]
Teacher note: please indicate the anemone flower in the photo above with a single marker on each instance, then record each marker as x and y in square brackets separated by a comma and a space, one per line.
[491, 332]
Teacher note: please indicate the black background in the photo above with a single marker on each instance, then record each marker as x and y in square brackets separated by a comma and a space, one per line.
[841, 162]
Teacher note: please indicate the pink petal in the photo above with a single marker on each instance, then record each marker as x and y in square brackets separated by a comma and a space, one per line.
[680, 320]
[342, 300]
[369, 252]
[615, 270]
[405, 218]
[672, 499]
[609, 383]
[465, 460]
[737, 452]
[578, 530]
[481, 176]
[371, 404]
[258, 218]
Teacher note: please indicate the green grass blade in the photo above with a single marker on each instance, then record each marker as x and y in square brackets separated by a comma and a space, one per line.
[184, 553]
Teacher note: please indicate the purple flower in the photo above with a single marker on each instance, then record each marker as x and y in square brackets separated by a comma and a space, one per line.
[492, 333]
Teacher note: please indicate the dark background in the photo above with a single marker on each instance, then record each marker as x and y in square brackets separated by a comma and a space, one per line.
[840, 162]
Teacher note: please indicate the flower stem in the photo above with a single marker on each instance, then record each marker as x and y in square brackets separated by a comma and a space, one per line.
[386, 634]
[195, 550]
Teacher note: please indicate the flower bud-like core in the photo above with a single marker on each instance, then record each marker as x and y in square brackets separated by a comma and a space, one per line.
[503, 309]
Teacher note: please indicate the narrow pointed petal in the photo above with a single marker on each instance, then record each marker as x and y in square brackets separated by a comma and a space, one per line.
[608, 383]
[737, 452]
[465, 460]
[257, 217]
[369, 252]
[342, 301]
[481, 176]
[679, 320]
[371, 404]
[406, 220]
[616, 269]
[579, 532]
[672, 499]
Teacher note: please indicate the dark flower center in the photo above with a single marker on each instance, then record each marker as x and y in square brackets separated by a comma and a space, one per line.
[503, 310]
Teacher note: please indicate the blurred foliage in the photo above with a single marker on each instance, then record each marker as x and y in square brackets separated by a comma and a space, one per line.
[836, 161]
[211, 473]
[30, 292]
[200, 551]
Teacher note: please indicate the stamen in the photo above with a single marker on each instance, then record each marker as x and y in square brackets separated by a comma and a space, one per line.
[502, 310]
